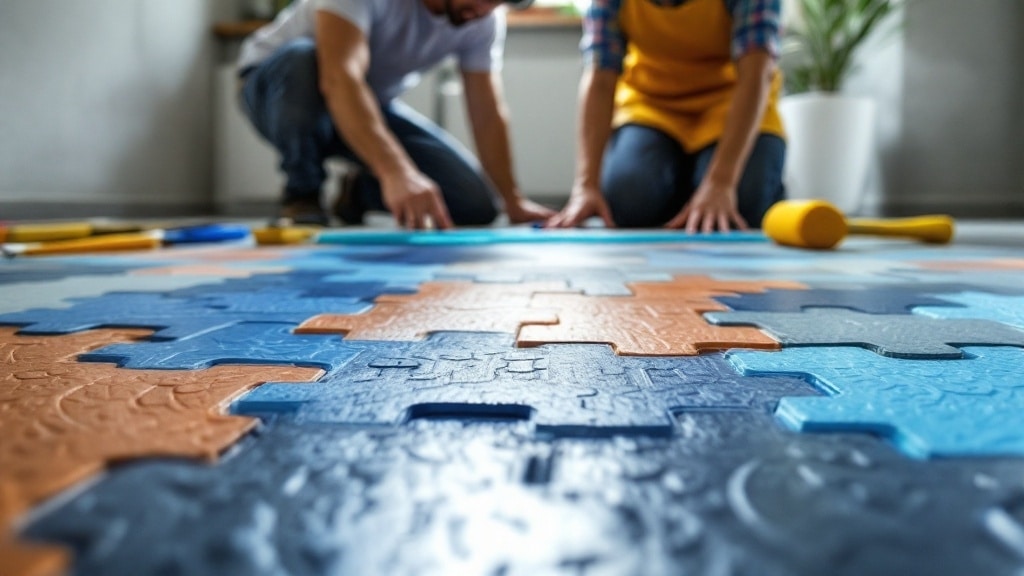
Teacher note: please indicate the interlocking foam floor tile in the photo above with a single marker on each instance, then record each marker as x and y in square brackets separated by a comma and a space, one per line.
[661, 319]
[64, 421]
[590, 281]
[419, 456]
[979, 305]
[211, 269]
[732, 492]
[998, 282]
[285, 302]
[870, 300]
[171, 318]
[23, 296]
[927, 408]
[895, 335]
[35, 272]
[311, 283]
[487, 236]
[581, 389]
[440, 307]
[244, 343]
[393, 275]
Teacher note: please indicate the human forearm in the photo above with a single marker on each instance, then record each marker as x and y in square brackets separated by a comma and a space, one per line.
[358, 118]
[749, 100]
[343, 55]
[489, 120]
[596, 103]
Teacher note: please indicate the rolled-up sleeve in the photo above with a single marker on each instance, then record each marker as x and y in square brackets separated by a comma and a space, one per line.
[603, 44]
[757, 25]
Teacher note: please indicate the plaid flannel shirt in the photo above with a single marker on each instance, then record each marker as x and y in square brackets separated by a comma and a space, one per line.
[756, 26]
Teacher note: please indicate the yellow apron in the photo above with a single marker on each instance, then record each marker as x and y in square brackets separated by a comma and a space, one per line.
[679, 74]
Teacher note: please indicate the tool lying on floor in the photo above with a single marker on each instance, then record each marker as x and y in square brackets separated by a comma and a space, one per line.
[819, 224]
[68, 230]
[130, 241]
[285, 235]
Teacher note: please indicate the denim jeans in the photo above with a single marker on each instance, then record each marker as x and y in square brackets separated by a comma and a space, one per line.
[647, 177]
[282, 98]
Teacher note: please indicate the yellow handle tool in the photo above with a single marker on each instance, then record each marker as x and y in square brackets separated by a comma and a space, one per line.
[272, 236]
[819, 224]
[934, 229]
[50, 231]
[46, 232]
[105, 243]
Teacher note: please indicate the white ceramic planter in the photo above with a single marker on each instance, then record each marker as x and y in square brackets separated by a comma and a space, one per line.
[831, 141]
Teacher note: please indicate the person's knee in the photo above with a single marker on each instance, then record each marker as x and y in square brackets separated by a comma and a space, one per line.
[640, 176]
[632, 193]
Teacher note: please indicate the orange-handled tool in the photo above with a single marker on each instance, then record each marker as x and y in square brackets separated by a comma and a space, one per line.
[819, 224]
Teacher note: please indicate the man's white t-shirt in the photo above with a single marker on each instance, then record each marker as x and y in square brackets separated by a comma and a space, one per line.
[404, 39]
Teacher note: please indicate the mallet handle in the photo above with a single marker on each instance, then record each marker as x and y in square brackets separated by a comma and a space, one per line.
[936, 229]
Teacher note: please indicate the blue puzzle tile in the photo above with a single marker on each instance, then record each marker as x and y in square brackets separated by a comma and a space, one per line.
[245, 343]
[488, 236]
[1004, 282]
[17, 297]
[562, 389]
[981, 306]
[36, 271]
[896, 335]
[173, 318]
[394, 276]
[311, 284]
[284, 302]
[927, 408]
[590, 281]
[440, 497]
[418, 256]
[869, 300]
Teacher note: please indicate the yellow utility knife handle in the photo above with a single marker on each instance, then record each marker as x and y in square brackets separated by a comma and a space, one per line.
[46, 232]
[936, 229]
[109, 242]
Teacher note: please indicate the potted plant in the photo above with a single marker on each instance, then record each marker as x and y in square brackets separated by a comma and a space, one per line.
[831, 135]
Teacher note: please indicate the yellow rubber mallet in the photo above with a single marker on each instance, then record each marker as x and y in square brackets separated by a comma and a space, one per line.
[819, 224]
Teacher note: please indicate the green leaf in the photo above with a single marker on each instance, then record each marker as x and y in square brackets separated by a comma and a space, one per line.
[833, 32]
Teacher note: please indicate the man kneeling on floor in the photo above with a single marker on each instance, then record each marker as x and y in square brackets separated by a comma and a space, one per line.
[323, 81]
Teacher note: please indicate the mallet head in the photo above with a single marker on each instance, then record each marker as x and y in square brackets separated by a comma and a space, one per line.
[805, 224]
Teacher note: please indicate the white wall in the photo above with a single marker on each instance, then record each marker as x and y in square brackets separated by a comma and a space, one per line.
[963, 136]
[105, 103]
[541, 78]
[950, 134]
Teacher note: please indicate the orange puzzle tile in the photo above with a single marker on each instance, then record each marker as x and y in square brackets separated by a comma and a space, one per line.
[660, 319]
[441, 307]
[62, 421]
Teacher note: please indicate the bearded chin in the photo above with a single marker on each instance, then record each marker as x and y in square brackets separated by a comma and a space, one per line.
[453, 15]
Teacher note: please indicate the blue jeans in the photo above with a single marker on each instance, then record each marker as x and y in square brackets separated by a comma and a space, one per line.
[647, 177]
[282, 98]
